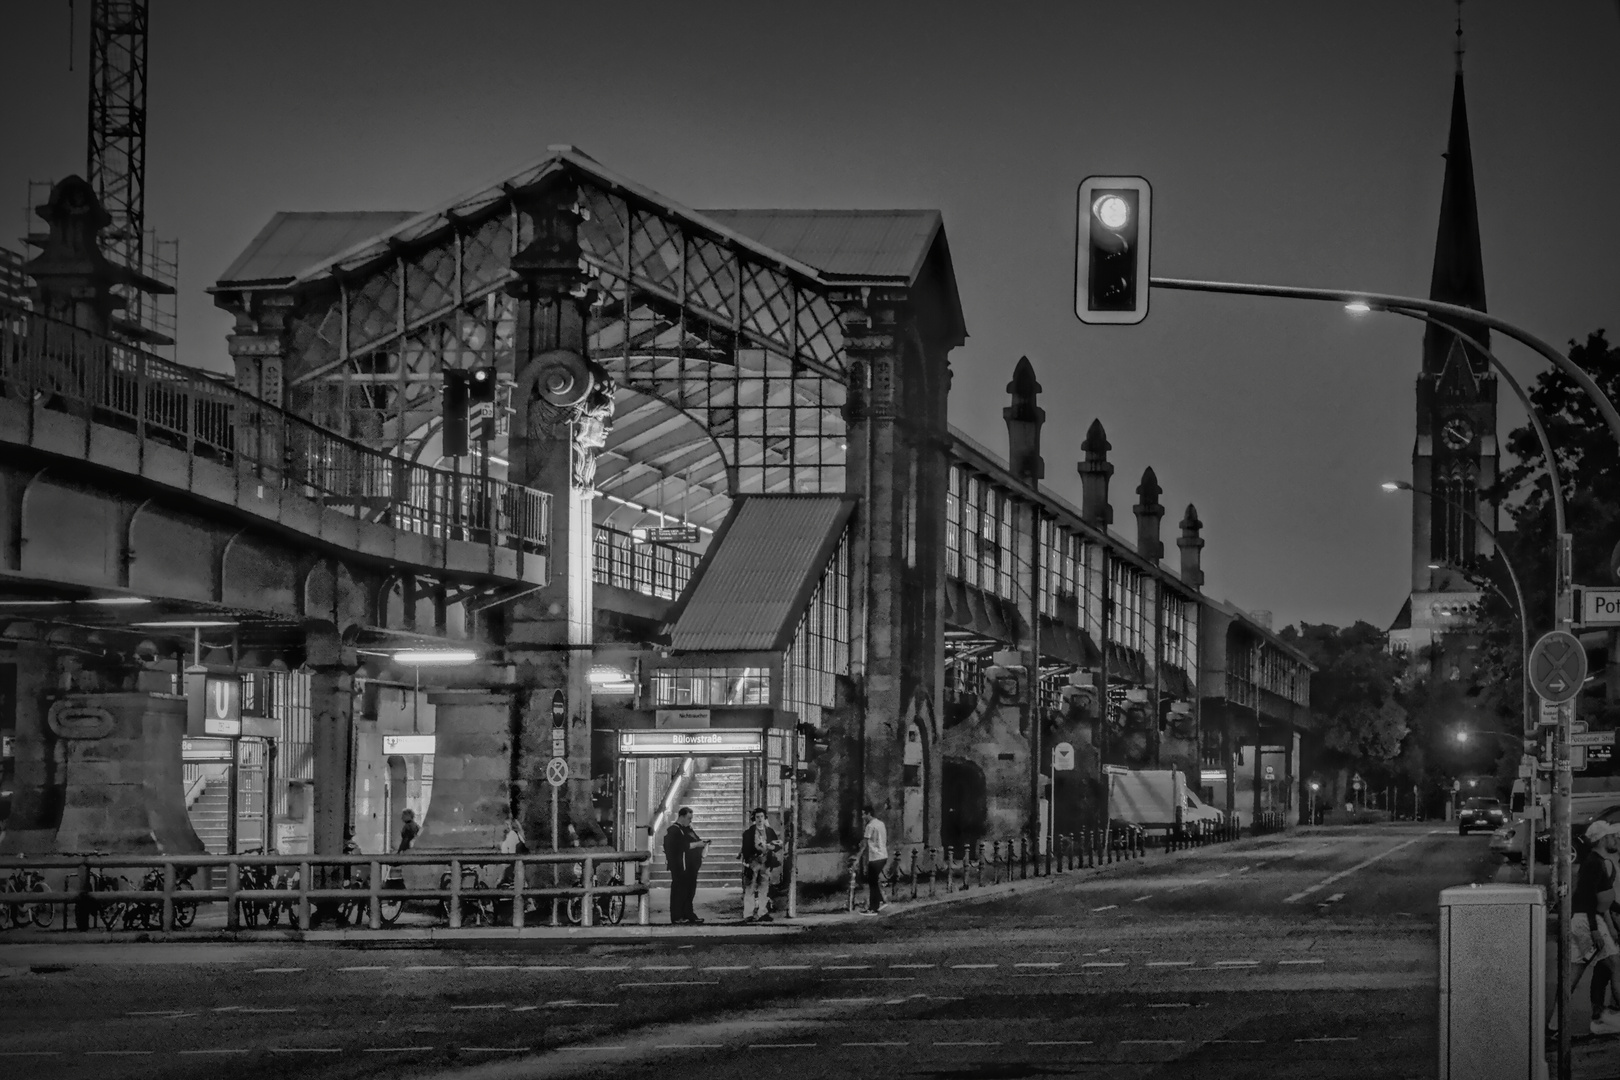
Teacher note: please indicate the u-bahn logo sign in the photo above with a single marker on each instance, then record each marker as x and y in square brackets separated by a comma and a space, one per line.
[1558, 666]
[219, 712]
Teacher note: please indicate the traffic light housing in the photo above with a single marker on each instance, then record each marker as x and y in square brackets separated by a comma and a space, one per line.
[457, 401]
[481, 399]
[1111, 249]
[816, 743]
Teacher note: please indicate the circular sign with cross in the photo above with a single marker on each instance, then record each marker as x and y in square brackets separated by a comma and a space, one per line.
[557, 771]
[1558, 666]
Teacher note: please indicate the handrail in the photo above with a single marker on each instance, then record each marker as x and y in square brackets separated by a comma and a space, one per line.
[667, 804]
[66, 367]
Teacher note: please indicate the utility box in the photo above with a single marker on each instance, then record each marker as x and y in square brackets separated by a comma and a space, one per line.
[1493, 947]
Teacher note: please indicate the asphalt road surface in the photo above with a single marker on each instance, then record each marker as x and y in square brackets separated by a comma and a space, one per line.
[1308, 955]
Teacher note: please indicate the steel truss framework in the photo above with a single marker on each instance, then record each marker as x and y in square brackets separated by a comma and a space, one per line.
[728, 358]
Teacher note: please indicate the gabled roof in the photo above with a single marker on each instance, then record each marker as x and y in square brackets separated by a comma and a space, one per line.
[295, 240]
[761, 569]
[858, 244]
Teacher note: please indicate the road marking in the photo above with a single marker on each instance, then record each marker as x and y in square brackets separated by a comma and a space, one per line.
[848, 1001]
[30, 1053]
[283, 1009]
[364, 1050]
[364, 967]
[492, 967]
[968, 1042]
[689, 1046]
[1282, 962]
[1151, 1042]
[606, 967]
[306, 1050]
[729, 967]
[878, 978]
[116, 1053]
[1331, 878]
[430, 967]
[876, 1044]
[217, 1050]
[846, 967]
[496, 1049]
[276, 971]
[781, 1046]
[674, 967]
[588, 1049]
[571, 1004]
[1170, 1004]
[973, 967]
[1103, 964]
[1236, 1042]
[544, 967]
[1076, 1042]
[672, 982]
[1329, 1038]
[494, 1005]
[1039, 964]
[1139, 899]
[1225, 873]
[1334, 899]
[1237, 963]
[524, 1008]
[1105, 907]
[167, 1013]
[779, 967]
[1243, 869]
[1169, 963]
[910, 967]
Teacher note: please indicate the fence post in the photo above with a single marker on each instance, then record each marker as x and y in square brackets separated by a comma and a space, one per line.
[933, 870]
[82, 908]
[374, 899]
[166, 920]
[455, 894]
[588, 906]
[233, 917]
[303, 894]
[518, 876]
[642, 873]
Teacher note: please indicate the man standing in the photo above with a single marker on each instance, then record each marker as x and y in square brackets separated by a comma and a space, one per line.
[759, 857]
[683, 853]
[875, 853]
[1592, 928]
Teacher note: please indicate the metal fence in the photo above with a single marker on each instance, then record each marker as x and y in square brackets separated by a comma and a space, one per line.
[928, 871]
[63, 367]
[174, 893]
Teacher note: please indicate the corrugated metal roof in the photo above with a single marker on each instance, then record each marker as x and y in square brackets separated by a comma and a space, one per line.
[294, 240]
[760, 571]
[842, 243]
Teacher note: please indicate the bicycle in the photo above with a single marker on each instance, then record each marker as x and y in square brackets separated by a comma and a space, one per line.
[148, 914]
[108, 912]
[257, 876]
[606, 909]
[17, 915]
[474, 911]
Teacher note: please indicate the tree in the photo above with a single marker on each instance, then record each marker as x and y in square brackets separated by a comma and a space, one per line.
[1354, 693]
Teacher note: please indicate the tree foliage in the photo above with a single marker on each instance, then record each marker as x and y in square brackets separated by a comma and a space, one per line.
[1354, 691]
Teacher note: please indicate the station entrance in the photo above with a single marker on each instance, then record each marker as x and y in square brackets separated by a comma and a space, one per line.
[722, 774]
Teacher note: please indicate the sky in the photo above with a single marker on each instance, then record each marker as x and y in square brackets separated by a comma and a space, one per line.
[1286, 142]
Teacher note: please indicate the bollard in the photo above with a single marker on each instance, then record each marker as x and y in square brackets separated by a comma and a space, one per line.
[978, 854]
[933, 870]
[914, 873]
[1023, 858]
[853, 865]
[995, 863]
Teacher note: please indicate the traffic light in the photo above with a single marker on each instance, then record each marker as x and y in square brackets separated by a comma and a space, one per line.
[457, 391]
[1111, 257]
[815, 743]
[481, 398]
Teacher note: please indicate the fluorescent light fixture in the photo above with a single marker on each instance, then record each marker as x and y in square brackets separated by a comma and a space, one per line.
[32, 603]
[1390, 485]
[1358, 307]
[116, 601]
[187, 624]
[435, 656]
[608, 675]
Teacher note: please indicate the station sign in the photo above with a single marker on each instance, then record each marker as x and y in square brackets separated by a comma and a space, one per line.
[681, 718]
[668, 534]
[214, 705]
[409, 744]
[1599, 607]
[664, 742]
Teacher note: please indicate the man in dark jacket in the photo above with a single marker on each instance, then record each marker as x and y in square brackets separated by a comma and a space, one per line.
[683, 853]
[759, 857]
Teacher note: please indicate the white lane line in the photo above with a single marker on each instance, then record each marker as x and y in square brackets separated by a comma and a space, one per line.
[1284, 962]
[1170, 1004]
[846, 967]
[1226, 873]
[1331, 878]
[524, 1008]
[491, 967]
[589, 1049]
[1151, 1042]
[1105, 907]
[364, 967]
[263, 1011]
[1334, 899]
[215, 1050]
[671, 967]
[848, 1001]
[1329, 1038]
[493, 1005]
[276, 971]
[386, 1049]
[306, 1050]
[606, 967]
[1039, 964]
[1103, 964]
[1243, 869]
[1235, 1042]
[544, 967]
[496, 1049]
[430, 967]
[689, 1046]
[169, 1014]
[568, 1003]
[781, 1046]
[1302, 894]
[1054, 1042]
[729, 967]
[968, 1042]
[973, 967]
[781, 967]
[1139, 899]
[1169, 963]
[117, 1053]
[878, 978]
[673, 982]
[1236, 963]
[875, 1044]
[910, 967]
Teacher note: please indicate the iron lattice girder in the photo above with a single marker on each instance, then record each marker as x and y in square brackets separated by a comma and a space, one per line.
[117, 150]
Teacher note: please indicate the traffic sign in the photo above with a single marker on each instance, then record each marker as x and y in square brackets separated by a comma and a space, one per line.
[1592, 738]
[1551, 713]
[1558, 666]
[1614, 563]
[669, 534]
[557, 772]
[1063, 757]
[1599, 607]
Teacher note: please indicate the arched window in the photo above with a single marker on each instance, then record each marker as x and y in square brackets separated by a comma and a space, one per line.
[1454, 540]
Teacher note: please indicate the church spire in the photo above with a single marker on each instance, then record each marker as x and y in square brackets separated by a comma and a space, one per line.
[1459, 269]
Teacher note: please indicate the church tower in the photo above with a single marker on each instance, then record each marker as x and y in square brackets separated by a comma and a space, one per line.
[1454, 458]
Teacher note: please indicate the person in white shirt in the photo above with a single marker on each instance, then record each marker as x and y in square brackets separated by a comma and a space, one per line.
[875, 854]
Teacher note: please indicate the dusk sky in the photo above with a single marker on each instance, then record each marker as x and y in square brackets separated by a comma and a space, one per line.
[1287, 142]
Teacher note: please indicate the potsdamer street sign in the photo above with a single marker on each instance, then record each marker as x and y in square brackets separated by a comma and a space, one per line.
[1557, 666]
[1599, 607]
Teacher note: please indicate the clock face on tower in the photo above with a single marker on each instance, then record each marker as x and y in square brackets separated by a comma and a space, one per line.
[1457, 433]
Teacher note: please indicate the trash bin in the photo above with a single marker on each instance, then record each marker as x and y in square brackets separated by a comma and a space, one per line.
[1493, 946]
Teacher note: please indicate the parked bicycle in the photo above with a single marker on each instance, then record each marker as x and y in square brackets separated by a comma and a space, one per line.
[607, 909]
[259, 876]
[109, 912]
[19, 915]
[475, 910]
[148, 914]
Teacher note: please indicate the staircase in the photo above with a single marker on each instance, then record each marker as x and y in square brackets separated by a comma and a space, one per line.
[716, 799]
[210, 816]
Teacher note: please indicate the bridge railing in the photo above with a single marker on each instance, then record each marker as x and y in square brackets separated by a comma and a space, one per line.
[69, 369]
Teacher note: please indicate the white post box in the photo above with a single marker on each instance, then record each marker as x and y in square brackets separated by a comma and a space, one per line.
[1493, 947]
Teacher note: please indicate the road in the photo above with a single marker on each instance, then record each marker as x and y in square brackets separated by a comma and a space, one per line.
[1304, 954]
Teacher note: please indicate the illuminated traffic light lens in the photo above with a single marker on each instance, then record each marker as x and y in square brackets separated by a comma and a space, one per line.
[1113, 211]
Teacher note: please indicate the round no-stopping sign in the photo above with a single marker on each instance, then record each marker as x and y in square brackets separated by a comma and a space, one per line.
[557, 771]
[1558, 666]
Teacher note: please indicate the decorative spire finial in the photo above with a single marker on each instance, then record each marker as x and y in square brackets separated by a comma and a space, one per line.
[1459, 37]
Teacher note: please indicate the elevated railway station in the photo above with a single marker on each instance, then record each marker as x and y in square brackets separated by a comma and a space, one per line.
[715, 513]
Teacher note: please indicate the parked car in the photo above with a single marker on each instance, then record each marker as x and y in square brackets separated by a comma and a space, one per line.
[1480, 813]
[1584, 809]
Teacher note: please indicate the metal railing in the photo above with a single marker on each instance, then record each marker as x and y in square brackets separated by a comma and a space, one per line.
[652, 569]
[66, 368]
[364, 891]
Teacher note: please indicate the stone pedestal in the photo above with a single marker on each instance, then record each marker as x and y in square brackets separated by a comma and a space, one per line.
[124, 783]
[472, 772]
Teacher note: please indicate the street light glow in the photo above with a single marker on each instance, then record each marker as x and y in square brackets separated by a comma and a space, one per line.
[1462, 736]
[117, 601]
[1113, 211]
[1358, 307]
[435, 656]
[1390, 485]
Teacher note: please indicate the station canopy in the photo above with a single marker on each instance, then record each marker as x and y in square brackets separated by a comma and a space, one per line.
[718, 327]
